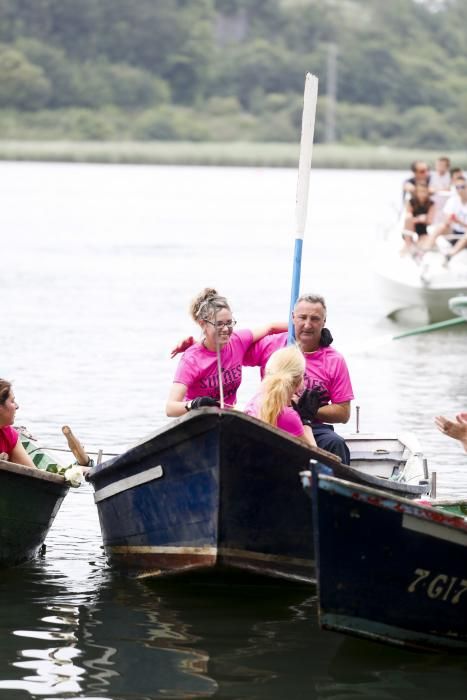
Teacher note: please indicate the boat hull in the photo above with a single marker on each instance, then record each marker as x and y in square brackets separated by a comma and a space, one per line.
[389, 569]
[214, 489]
[29, 502]
[404, 283]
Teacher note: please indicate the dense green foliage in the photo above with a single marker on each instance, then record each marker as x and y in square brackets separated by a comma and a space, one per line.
[202, 70]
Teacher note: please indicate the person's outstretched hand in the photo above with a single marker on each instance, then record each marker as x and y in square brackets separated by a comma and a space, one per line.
[455, 429]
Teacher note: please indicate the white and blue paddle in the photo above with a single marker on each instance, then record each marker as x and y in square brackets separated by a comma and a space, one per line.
[304, 166]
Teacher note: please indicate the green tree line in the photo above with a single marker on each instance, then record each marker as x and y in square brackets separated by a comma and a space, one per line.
[217, 70]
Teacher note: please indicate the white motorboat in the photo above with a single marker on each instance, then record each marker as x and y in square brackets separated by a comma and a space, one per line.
[423, 281]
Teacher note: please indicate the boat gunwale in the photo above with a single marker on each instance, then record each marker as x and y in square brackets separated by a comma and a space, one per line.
[198, 425]
[428, 512]
[33, 472]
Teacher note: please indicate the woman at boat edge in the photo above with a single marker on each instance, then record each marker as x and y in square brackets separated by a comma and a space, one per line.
[284, 379]
[455, 429]
[10, 444]
[196, 381]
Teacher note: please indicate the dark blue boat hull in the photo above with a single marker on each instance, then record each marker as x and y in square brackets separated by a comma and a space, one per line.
[29, 502]
[215, 489]
[212, 489]
[389, 569]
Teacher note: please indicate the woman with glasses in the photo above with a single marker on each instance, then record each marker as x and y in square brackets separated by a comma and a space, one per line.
[196, 381]
[283, 379]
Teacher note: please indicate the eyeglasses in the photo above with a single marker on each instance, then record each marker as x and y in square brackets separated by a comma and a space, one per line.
[220, 324]
[461, 187]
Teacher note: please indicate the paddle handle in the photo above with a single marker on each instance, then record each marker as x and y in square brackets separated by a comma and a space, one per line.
[75, 446]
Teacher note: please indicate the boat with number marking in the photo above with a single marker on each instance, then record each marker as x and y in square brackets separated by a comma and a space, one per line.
[390, 569]
[217, 490]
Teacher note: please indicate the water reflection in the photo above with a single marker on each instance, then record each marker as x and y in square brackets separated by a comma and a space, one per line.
[121, 639]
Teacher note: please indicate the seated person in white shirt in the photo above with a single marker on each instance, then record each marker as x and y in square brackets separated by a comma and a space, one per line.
[454, 224]
[440, 178]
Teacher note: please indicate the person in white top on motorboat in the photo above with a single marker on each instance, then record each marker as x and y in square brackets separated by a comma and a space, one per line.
[440, 187]
[454, 225]
[440, 177]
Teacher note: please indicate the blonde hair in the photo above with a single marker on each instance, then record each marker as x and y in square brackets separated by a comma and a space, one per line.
[284, 374]
[206, 304]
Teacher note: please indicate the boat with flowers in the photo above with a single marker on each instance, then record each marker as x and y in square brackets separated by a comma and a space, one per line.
[30, 499]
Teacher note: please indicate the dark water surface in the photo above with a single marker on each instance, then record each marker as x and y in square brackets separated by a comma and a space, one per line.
[97, 267]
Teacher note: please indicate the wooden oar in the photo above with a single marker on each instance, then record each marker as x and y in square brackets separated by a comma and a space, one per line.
[75, 446]
[304, 165]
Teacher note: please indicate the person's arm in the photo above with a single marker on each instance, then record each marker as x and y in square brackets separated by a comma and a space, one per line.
[462, 243]
[308, 436]
[175, 405]
[334, 412]
[18, 455]
[430, 214]
[182, 346]
[270, 329]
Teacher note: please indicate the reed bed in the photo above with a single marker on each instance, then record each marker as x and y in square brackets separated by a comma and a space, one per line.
[251, 154]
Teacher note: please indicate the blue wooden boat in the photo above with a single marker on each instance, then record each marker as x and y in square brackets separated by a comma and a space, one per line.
[29, 501]
[389, 569]
[216, 489]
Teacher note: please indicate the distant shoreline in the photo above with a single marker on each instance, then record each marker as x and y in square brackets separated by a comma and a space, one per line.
[233, 154]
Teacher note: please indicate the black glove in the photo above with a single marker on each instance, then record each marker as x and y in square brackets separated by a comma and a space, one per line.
[326, 338]
[201, 401]
[309, 402]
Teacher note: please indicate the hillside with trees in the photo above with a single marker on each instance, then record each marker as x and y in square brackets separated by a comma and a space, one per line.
[233, 70]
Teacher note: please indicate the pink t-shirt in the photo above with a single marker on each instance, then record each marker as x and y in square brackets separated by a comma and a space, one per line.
[287, 420]
[197, 368]
[325, 368]
[8, 439]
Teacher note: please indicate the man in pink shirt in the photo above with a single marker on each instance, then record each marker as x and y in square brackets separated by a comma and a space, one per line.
[326, 372]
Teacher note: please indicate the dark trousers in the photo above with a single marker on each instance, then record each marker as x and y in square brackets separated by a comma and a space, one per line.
[328, 440]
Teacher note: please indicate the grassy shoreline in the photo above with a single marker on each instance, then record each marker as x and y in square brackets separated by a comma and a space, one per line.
[241, 154]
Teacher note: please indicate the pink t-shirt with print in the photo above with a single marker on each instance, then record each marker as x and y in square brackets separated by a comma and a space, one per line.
[325, 368]
[197, 368]
[287, 420]
[8, 439]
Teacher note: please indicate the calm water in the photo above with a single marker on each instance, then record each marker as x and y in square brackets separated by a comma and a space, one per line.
[97, 267]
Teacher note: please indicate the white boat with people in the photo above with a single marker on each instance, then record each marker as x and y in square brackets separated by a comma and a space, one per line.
[422, 279]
